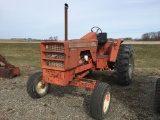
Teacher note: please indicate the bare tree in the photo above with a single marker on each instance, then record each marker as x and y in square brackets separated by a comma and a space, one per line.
[151, 36]
[145, 37]
[53, 38]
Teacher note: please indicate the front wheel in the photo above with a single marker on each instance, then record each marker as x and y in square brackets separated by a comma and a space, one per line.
[100, 101]
[35, 88]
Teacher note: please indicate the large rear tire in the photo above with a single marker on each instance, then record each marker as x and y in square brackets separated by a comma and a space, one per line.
[35, 88]
[124, 65]
[157, 96]
[100, 101]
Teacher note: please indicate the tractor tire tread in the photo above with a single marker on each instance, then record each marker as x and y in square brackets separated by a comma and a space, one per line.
[97, 100]
[33, 79]
[121, 65]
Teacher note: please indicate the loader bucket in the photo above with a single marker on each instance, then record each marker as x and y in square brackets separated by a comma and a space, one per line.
[7, 70]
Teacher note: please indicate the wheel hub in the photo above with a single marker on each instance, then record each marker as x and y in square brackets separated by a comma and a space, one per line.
[106, 102]
[41, 88]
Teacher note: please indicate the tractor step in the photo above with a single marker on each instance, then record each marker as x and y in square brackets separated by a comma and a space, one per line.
[84, 83]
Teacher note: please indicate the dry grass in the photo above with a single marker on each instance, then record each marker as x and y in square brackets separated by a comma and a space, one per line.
[147, 56]
[21, 54]
[147, 59]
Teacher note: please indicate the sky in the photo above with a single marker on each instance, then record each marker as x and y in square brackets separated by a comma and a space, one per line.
[41, 19]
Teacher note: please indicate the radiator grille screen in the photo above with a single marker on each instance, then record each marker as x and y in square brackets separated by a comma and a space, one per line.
[55, 47]
[52, 63]
[54, 55]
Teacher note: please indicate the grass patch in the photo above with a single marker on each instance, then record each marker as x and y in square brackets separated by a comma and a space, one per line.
[147, 59]
[21, 54]
[147, 56]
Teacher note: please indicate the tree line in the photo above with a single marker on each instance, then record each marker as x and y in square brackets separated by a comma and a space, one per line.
[151, 36]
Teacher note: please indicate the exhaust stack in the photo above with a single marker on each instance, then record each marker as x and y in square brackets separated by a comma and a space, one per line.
[66, 21]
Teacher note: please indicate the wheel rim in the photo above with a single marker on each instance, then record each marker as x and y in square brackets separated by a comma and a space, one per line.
[106, 102]
[41, 89]
[130, 67]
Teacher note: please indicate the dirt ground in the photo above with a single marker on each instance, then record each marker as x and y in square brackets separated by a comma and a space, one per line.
[134, 102]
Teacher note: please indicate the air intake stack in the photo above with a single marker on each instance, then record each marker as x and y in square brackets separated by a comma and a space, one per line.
[66, 21]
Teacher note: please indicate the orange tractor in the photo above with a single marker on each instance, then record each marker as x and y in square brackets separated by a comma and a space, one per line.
[68, 62]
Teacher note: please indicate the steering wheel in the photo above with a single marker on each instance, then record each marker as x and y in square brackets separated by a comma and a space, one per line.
[98, 29]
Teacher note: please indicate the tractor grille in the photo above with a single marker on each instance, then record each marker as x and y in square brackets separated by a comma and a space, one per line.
[52, 63]
[55, 47]
[54, 55]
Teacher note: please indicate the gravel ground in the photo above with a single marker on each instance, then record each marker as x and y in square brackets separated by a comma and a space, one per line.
[134, 102]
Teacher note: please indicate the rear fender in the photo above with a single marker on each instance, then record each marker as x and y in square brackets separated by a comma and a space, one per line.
[114, 50]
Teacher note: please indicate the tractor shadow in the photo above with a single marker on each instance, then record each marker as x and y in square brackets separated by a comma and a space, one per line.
[102, 76]
[60, 91]
[86, 104]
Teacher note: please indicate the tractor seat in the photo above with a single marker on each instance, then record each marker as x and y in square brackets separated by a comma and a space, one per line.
[102, 38]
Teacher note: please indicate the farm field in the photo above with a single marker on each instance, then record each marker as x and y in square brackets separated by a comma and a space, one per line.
[135, 101]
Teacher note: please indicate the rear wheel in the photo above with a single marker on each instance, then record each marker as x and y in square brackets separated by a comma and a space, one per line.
[124, 65]
[100, 101]
[157, 96]
[35, 88]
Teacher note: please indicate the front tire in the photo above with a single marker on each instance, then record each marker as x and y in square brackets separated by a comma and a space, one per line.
[35, 88]
[157, 96]
[100, 101]
[124, 65]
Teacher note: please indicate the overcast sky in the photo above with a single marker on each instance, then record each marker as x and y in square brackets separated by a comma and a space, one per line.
[41, 19]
